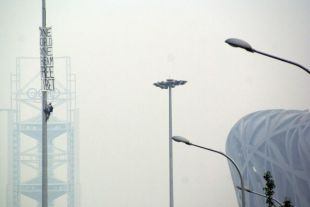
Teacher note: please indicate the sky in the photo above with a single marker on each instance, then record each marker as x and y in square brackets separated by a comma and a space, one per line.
[119, 49]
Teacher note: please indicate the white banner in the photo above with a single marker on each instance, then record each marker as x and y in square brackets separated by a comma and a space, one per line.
[47, 60]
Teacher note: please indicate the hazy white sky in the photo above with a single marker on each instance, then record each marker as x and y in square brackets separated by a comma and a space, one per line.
[119, 48]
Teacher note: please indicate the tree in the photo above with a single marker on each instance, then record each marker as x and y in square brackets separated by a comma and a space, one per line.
[287, 203]
[269, 191]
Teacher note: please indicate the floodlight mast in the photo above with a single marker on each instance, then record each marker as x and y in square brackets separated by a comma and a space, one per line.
[169, 84]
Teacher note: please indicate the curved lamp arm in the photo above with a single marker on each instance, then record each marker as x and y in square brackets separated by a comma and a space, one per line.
[234, 42]
[186, 141]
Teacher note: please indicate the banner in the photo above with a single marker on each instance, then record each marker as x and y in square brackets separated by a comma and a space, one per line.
[47, 60]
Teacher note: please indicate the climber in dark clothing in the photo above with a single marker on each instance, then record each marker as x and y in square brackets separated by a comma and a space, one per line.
[48, 110]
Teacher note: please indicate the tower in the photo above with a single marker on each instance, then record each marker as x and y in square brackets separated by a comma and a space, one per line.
[25, 166]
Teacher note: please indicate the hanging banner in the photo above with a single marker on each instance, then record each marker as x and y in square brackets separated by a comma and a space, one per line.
[47, 60]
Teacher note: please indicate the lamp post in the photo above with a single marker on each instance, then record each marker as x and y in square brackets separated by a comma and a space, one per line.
[169, 84]
[244, 45]
[186, 141]
[44, 126]
[47, 84]
[259, 194]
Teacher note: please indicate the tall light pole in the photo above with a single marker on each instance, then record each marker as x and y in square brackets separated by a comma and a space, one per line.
[244, 45]
[47, 84]
[186, 141]
[259, 194]
[169, 84]
[44, 127]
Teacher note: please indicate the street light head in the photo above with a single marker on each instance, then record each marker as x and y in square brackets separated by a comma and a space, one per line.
[244, 45]
[181, 139]
[239, 43]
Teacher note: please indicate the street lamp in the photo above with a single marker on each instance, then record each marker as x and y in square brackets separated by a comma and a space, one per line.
[169, 84]
[186, 141]
[244, 45]
[259, 194]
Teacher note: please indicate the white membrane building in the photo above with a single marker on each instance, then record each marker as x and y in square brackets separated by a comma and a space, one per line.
[277, 141]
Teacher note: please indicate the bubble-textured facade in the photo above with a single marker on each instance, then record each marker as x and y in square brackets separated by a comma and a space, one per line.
[277, 141]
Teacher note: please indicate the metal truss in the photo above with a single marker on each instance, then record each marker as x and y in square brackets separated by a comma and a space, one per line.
[26, 131]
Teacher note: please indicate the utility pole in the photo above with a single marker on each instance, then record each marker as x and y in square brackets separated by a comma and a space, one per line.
[47, 84]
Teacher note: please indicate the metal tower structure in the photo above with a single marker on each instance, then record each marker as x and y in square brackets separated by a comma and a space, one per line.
[25, 147]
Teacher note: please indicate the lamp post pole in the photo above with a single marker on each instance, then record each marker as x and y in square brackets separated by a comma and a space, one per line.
[186, 141]
[169, 84]
[244, 45]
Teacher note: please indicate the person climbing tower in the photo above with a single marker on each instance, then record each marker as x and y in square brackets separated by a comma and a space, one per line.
[48, 110]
